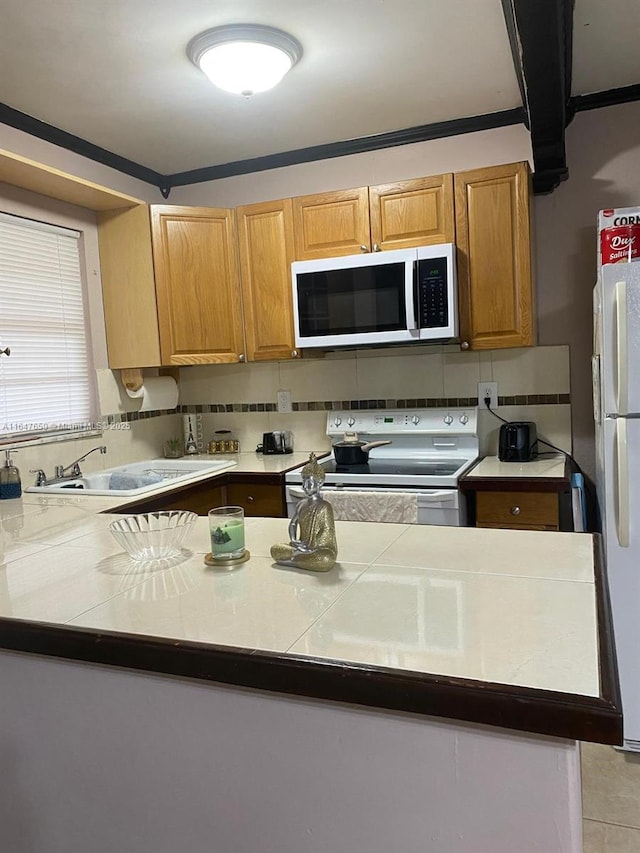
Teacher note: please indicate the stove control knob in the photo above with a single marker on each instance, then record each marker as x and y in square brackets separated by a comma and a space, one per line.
[464, 419]
[415, 420]
[337, 422]
[448, 420]
[350, 422]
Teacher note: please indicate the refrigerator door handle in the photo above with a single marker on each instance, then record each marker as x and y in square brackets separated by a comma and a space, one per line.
[597, 388]
[622, 358]
[621, 477]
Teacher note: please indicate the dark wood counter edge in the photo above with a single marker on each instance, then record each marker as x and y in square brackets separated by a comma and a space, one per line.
[609, 681]
[517, 708]
[514, 484]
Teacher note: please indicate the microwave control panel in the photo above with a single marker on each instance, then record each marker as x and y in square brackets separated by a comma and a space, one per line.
[432, 303]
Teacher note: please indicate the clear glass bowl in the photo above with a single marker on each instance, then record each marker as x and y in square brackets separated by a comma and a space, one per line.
[152, 535]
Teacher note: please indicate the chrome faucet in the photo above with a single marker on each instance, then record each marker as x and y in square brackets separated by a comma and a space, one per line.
[74, 467]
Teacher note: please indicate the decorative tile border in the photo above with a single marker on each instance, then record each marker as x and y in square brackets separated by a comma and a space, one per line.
[328, 405]
[409, 403]
[124, 417]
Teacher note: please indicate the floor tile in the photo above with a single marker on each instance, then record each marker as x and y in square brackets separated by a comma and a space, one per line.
[610, 838]
[611, 785]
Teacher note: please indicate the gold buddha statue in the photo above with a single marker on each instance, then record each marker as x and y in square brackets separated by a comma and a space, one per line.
[312, 531]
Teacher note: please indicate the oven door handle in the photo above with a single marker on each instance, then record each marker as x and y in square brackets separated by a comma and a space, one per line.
[431, 497]
[424, 497]
[296, 492]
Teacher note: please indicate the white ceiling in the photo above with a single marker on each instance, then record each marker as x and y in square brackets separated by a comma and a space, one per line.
[115, 72]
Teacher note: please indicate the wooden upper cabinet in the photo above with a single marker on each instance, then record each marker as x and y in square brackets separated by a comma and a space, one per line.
[331, 224]
[198, 293]
[265, 237]
[128, 288]
[370, 219]
[493, 226]
[412, 213]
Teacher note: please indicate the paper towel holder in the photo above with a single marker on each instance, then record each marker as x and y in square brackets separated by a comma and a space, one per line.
[132, 378]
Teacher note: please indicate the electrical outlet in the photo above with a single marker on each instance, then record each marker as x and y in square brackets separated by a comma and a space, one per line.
[284, 401]
[487, 389]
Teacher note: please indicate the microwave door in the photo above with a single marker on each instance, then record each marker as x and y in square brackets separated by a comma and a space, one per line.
[412, 299]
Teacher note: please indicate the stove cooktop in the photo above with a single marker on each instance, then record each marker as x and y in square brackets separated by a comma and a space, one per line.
[408, 467]
[429, 447]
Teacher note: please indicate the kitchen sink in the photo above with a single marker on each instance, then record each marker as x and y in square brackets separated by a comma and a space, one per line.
[136, 478]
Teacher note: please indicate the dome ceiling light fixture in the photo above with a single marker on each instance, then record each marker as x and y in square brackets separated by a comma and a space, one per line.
[244, 58]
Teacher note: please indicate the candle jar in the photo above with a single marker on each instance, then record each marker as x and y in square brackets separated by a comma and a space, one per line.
[226, 528]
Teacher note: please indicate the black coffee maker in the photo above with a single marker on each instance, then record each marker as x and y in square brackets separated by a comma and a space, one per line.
[518, 442]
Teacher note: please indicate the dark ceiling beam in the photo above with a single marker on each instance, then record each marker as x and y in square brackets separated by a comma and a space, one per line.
[610, 98]
[422, 133]
[541, 35]
[42, 130]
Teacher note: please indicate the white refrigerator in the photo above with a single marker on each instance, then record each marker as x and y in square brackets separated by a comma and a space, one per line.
[616, 374]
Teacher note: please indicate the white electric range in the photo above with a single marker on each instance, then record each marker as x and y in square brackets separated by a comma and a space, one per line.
[413, 479]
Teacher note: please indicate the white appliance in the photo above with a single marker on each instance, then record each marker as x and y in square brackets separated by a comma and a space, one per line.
[429, 451]
[378, 298]
[616, 373]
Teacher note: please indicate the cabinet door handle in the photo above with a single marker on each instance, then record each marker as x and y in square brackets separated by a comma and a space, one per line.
[242, 357]
[294, 353]
[376, 248]
[464, 345]
[364, 248]
[515, 510]
[250, 499]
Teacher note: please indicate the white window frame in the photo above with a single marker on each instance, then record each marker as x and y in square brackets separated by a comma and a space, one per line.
[56, 266]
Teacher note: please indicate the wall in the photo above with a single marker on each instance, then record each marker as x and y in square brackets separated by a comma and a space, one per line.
[602, 152]
[453, 154]
[144, 437]
[124, 443]
[238, 394]
[19, 142]
[101, 759]
[603, 147]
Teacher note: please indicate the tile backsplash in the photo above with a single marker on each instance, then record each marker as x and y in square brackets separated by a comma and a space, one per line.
[533, 384]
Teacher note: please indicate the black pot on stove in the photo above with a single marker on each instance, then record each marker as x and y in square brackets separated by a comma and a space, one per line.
[354, 452]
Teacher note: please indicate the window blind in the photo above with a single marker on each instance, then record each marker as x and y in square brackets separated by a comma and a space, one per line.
[45, 384]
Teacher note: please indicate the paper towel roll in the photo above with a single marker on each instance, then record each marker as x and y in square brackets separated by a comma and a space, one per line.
[157, 392]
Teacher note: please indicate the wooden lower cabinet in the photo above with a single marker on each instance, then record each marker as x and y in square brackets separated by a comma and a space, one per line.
[518, 510]
[258, 496]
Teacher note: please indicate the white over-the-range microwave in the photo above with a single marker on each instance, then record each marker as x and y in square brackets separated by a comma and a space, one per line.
[398, 296]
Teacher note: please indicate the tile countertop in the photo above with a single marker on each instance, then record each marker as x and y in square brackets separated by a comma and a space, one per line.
[492, 467]
[235, 463]
[258, 463]
[492, 626]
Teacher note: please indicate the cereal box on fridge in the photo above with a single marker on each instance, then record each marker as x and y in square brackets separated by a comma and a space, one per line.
[618, 235]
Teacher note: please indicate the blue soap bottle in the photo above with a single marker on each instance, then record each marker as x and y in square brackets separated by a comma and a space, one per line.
[10, 485]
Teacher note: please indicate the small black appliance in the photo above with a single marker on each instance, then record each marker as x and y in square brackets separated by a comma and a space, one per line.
[279, 441]
[518, 442]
